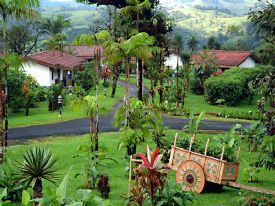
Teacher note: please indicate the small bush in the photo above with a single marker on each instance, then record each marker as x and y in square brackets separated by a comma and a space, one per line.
[231, 84]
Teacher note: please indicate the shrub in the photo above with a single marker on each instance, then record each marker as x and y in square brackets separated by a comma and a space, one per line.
[86, 78]
[195, 85]
[231, 84]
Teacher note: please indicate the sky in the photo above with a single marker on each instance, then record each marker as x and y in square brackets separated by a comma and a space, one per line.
[61, 0]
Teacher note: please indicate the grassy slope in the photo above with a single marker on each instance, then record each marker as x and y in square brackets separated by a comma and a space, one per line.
[41, 115]
[116, 171]
[207, 22]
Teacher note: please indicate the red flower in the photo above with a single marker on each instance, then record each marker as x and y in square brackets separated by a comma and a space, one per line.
[218, 72]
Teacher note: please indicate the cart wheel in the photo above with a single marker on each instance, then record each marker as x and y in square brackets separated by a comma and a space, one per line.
[191, 175]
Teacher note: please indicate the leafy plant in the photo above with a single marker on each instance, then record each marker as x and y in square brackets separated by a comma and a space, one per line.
[151, 173]
[59, 196]
[103, 186]
[254, 135]
[141, 118]
[255, 201]
[194, 122]
[10, 183]
[172, 195]
[251, 172]
[38, 164]
[92, 162]
[269, 121]
[230, 143]
[267, 154]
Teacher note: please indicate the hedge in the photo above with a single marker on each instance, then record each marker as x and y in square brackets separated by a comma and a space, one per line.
[230, 85]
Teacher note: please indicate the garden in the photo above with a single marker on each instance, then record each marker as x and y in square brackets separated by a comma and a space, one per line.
[129, 90]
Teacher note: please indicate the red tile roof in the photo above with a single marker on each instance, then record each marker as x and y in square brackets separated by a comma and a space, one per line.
[57, 59]
[86, 52]
[223, 59]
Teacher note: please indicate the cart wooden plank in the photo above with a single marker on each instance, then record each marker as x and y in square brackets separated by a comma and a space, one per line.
[250, 188]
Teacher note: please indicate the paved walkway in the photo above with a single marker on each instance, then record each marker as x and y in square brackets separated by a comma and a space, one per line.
[81, 126]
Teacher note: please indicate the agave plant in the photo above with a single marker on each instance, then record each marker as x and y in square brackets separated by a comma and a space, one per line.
[38, 164]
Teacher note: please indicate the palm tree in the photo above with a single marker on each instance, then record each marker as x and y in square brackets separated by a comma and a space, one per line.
[89, 104]
[178, 41]
[9, 61]
[38, 164]
[192, 43]
[138, 46]
[137, 7]
[96, 40]
[17, 9]
[54, 28]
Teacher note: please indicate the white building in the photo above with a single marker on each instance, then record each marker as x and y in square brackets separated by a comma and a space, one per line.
[52, 67]
[225, 59]
[171, 61]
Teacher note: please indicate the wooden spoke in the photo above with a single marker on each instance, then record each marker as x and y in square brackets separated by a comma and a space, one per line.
[190, 174]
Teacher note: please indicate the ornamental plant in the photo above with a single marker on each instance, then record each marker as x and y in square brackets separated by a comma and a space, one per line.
[103, 186]
[151, 174]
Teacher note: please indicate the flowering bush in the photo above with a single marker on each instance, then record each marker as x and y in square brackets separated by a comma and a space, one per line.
[217, 73]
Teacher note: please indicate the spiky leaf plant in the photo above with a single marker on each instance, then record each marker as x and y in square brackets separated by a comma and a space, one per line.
[38, 164]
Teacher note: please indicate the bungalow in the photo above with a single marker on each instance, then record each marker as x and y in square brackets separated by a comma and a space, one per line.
[51, 67]
[82, 51]
[225, 59]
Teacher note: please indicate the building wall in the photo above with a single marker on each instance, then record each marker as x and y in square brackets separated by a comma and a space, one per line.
[41, 73]
[171, 61]
[249, 62]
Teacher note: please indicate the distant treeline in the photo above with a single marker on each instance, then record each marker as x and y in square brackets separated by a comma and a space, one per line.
[212, 8]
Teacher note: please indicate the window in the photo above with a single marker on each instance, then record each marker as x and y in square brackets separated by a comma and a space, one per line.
[52, 69]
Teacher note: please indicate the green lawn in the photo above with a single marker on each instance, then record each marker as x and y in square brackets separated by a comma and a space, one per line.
[41, 115]
[118, 174]
[198, 103]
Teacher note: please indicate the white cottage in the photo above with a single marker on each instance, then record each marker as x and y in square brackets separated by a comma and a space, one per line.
[51, 67]
[225, 59]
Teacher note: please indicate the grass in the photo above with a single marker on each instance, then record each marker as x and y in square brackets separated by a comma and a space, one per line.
[117, 173]
[197, 103]
[41, 115]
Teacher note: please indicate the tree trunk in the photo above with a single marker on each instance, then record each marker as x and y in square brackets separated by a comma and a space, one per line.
[1, 125]
[91, 132]
[6, 84]
[131, 149]
[127, 91]
[116, 72]
[140, 80]
[177, 83]
[161, 98]
[271, 99]
[97, 112]
[37, 190]
[152, 91]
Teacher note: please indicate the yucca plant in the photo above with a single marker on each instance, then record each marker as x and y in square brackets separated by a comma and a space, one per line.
[38, 164]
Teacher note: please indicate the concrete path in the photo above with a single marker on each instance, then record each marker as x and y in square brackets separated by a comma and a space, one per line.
[81, 126]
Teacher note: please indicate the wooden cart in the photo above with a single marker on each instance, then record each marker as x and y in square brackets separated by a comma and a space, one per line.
[193, 169]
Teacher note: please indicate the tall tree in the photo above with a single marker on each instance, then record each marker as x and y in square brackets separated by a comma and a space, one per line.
[23, 38]
[136, 8]
[192, 43]
[17, 9]
[178, 41]
[95, 40]
[54, 27]
[136, 46]
[263, 19]
[148, 19]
